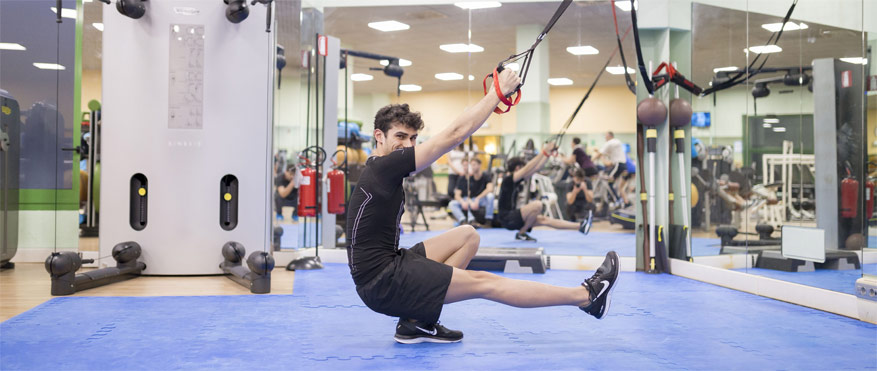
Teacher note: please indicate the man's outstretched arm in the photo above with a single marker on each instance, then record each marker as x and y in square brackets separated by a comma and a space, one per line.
[466, 124]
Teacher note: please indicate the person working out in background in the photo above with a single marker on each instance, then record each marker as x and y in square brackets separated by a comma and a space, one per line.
[579, 198]
[530, 215]
[414, 284]
[473, 192]
[456, 170]
[580, 156]
[612, 155]
[286, 191]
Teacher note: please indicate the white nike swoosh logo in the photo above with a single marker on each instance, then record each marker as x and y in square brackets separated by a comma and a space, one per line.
[605, 286]
[433, 332]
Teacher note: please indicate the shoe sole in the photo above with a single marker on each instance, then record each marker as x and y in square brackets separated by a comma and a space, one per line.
[424, 339]
[612, 288]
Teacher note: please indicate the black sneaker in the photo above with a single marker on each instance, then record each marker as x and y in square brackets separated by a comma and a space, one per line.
[408, 332]
[586, 225]
[523, 236]
[600, 286]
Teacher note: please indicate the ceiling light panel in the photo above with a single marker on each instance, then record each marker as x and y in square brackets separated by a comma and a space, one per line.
[582, 50]
[790, 26]
[388, 26]
[448, 76]
[471, 5]
[461, 48]
[559, 81]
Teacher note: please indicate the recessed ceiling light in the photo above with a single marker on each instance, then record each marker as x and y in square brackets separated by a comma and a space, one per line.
[388, 26]
[65, 13]
[779, 129]
[471, 77]
[583, 49]
[361, 77]
[855, 60]
[410, 87]
[461, 48]
[625, 5]
[559, 81]
[478, 4]
[99, 26]
[723, 69]
[402, 62]
[790, 26]
[513, 66]
[618, 70]
[449, 76]
[49, 66]
[12, 46]
[771, 120]
[764, 49]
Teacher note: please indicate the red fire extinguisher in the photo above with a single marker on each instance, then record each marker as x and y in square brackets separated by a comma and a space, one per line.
[308, 204]
[869, 200]
[849, 196]
[335, 185]
[307, 192]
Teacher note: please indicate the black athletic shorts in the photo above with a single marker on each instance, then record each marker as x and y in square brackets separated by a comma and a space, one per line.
[617, 170]
[512, 220]
[411, 286]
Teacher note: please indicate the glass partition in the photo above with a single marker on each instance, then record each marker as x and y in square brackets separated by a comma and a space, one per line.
[39, 122]
[784, 158]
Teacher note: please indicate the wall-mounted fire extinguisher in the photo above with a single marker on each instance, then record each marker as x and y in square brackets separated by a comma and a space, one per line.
[335, 185]
[849, 196]
[307, 190]
[869, 200]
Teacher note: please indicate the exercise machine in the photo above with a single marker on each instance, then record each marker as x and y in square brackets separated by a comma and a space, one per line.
[62, 267]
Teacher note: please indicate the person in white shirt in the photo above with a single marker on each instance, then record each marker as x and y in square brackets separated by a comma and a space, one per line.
[613, 157]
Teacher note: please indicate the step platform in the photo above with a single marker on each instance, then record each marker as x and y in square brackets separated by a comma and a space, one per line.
[510, 260]
[834, 260]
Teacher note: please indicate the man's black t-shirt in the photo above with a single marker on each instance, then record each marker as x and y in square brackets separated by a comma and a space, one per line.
[477, 185]
[580, 200]
[374, 212]
[280, 181]
[508, 192]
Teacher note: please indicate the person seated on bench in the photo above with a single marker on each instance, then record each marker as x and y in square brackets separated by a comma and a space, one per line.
[473, 192]
[522, 219]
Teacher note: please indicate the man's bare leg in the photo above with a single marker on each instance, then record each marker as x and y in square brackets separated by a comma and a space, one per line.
[530, 212]
[467, 285]
[456, 247]
[556, 223]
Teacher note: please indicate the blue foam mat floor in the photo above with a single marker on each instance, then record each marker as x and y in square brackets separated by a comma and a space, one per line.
[656, 322]
[567, 242]
[840, 281]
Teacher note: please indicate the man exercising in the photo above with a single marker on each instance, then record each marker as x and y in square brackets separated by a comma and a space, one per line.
[530, 215]
[415, 283]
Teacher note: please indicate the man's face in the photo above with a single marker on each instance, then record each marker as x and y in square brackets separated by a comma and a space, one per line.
[289, 174]
[399, 136]
[474, 167]
[578, 179]
[608, 137]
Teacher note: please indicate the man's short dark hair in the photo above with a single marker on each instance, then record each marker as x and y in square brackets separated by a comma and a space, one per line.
[576, 141]
[578, 173]
[397, 114]
[514, 163]
[476, 159]
[611, 134]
